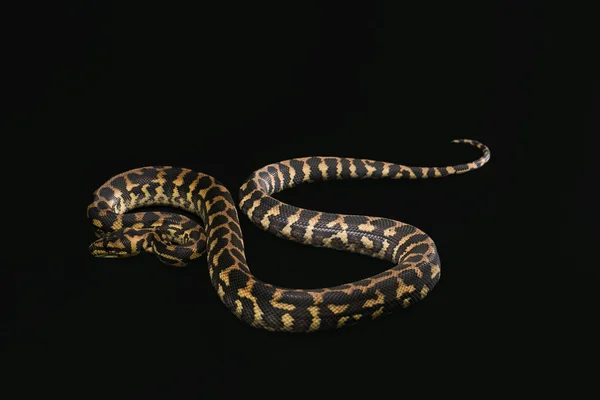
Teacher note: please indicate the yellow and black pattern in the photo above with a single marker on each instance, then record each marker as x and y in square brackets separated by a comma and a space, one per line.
[176, 239]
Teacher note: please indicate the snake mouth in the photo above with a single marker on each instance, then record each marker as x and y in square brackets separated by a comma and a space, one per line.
[103, 254]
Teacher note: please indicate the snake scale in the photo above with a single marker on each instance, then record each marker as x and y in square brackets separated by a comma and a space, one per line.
[176, 239]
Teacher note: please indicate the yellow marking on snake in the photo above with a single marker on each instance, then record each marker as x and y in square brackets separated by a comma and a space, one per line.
[366, 227]
[287, 320]
[238, 307]
[373, 302]
[368, 243]
[224, 275]
[246, 293]
[309, 230]
[370, 170]
[353, 173]
[316, 320]
[272, 212]
[306, 171]
[323, 169]
[282, 306]
[179, 180]
[377, 313]
[403, 289]
[338, 308]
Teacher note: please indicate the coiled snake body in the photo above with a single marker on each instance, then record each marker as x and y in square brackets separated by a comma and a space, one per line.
[176, 239]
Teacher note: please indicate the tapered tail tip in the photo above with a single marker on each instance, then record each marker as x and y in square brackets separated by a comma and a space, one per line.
[473, 143]
[486, 151]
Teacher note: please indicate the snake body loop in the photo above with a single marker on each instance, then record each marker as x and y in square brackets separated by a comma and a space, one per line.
[176, 239]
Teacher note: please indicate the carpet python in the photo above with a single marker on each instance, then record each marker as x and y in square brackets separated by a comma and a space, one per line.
[176, 239]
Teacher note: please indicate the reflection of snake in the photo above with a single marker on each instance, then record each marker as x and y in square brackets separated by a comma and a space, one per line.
[176, 239]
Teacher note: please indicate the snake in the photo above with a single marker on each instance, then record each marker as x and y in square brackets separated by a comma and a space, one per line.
[124, 229]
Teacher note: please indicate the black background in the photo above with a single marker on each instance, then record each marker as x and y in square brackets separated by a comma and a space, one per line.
[225, 89]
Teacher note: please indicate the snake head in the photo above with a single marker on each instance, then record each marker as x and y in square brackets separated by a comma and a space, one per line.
[118, 244]
[172, 246]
